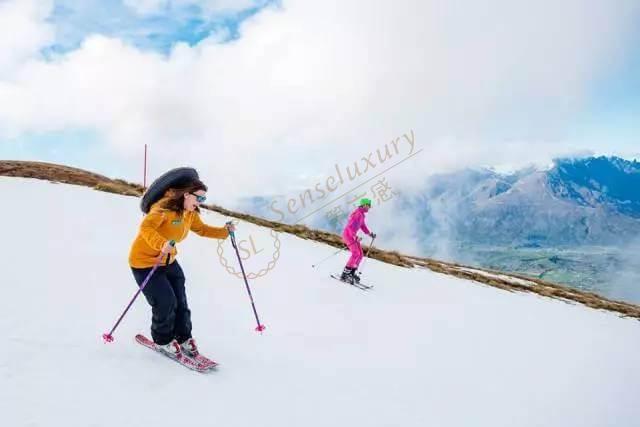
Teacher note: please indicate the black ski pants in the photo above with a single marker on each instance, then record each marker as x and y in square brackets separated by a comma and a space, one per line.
[165, 292]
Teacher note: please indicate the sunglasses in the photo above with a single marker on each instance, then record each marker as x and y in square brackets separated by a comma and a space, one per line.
[200, 199]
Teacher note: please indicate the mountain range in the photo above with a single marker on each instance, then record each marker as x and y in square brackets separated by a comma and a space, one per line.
[588, 201]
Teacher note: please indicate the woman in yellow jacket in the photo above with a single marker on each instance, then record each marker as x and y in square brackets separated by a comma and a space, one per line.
[169, 221]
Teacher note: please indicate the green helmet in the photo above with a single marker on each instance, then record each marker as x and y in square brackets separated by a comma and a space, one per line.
[365, 202]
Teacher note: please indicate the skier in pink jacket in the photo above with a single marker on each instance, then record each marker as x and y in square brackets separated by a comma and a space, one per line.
[350, 238]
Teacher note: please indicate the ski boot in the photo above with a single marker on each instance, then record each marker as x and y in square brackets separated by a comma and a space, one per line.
[172, 349]
[190, 348]
[349, 275]
[356, 276]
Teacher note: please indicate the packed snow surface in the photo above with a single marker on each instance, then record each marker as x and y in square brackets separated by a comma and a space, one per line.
[420, 349]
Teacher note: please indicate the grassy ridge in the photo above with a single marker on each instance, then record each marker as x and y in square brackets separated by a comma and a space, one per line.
[506, 281]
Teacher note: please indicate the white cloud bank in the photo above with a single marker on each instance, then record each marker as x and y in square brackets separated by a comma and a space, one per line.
[23, 32]
[311, 84]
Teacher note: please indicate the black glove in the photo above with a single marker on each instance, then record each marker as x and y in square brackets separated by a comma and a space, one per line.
[373, 235]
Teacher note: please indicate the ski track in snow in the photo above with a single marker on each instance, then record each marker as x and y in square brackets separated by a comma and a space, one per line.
[420, 349]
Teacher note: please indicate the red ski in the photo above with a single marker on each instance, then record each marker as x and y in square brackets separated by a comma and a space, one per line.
[182, 359]
[205, 362]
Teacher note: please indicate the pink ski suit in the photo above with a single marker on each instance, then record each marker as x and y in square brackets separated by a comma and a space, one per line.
[350, 233]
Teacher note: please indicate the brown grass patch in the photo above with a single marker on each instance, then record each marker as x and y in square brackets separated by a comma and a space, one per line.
[117, 187]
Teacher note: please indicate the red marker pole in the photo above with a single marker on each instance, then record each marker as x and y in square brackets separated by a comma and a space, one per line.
[145, 167]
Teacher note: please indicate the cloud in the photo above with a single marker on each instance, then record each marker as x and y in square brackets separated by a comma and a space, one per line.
[624, 274]
[311, 84]
[23, 31]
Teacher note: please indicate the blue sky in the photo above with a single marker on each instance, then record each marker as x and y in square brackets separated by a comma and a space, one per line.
[611, 119]
[184, 22]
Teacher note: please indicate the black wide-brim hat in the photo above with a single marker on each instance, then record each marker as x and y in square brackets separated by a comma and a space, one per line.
[175, 178]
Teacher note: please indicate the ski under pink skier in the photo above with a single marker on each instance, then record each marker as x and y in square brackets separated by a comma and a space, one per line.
[355, 223]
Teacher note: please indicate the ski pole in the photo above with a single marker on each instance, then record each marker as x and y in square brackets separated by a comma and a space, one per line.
[332, 255]
[367, 254]
[260, 326]
[108, 336]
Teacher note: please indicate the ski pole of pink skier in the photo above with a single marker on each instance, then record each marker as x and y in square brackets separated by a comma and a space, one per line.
[367, 254]
[108, 336]
[260, 326]
[326, 258]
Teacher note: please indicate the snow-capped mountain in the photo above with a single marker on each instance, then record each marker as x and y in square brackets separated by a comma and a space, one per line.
[611, 182]
[584, 201]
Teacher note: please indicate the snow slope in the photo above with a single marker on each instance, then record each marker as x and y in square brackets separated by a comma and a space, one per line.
[422, 349]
